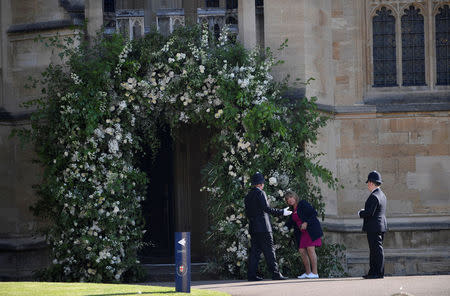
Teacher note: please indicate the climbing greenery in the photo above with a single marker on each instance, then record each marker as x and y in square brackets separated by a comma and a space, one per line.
[105, 101]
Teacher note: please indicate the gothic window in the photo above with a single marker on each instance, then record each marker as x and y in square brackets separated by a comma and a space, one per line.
[108, 6]
[384, 57]
[259, 3]
[443, 46]
[212, 3]
[232, 4]
[413, 49]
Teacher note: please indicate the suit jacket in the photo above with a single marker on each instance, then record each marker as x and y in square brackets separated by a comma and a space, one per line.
[257, 211]
[374, 212]
[306, 213]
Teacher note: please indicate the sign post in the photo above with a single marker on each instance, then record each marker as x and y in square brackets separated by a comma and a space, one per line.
[183, 262]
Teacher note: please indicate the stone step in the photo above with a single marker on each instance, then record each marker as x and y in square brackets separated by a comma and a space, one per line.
[402, 240]
[166, 272]
[403, 261]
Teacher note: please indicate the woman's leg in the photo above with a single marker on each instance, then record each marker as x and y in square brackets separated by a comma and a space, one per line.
[305, 260]
[313, 258]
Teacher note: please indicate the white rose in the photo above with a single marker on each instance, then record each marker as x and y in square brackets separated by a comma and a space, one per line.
[273, 181]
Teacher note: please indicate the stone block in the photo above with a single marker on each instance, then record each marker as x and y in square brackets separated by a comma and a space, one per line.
[366, 150]
[423, 124]
[410, 267]
[386, 166]
[336, 13]
[439, 149]
[422, 137]
[430, 238]
[346, 150]
[400, 207]
[21, 257]
[406, 164]
[365, 131]
[403, 125]
[342, 80]
[393, 138]
[435, 266]
[336, 46]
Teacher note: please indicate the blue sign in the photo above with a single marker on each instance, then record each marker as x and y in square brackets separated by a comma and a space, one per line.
[183, 262]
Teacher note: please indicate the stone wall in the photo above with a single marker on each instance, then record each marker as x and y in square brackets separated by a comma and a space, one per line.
[411, 151]
[402, 132]
[22, 248]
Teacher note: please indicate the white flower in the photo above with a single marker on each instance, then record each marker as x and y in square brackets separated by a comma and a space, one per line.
[231, 173]
[75, 78]
[99, 133]
[273, 181]
[109, 131]
[122, 105]
[91, 271]
[219, 113]
[284, 180]
[180, 56]
[202, 69]
[113, 146]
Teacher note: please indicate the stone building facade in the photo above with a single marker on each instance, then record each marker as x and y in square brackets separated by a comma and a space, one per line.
[382, 74]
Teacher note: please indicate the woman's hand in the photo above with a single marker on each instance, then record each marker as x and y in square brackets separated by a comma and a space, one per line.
[304, 225]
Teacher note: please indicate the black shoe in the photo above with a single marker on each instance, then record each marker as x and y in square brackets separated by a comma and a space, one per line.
[279, 277]
[255, 279]
[372, 276]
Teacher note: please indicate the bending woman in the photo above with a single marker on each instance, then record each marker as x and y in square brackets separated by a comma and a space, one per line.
[307, 232]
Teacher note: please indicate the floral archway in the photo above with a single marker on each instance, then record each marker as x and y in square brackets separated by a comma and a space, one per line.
[105, 101]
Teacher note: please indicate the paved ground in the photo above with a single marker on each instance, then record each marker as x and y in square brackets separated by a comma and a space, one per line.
[437, 285]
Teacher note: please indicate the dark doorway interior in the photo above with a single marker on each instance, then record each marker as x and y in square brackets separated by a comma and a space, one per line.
[158, 209]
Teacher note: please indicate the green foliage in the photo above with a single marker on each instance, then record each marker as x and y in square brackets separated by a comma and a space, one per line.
[105, 102]
[82, 289]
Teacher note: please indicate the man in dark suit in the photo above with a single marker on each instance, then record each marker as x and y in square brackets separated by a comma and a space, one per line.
[257, 210]
[374, 215]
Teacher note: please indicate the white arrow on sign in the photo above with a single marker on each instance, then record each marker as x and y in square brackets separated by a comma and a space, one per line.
[182, 242]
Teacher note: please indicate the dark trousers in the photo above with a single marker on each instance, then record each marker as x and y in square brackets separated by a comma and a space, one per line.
[261, 242]
[375, 240]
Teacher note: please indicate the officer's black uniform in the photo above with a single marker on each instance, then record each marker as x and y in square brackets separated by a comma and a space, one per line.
[257, 210]
[375, 224]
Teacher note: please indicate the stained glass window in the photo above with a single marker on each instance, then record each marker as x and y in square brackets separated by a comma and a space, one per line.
[384, 56]
[413, 48]
[443, 46]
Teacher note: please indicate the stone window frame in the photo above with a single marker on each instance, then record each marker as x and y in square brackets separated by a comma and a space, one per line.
[429, 9]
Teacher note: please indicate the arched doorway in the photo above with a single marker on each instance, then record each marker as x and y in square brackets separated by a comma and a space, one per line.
[158, 208]
[174, 201]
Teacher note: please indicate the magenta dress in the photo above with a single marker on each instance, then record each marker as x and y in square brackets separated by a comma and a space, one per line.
[305, 240]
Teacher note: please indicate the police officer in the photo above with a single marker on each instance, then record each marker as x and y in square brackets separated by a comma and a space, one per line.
[374, 215]
[257, 210]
